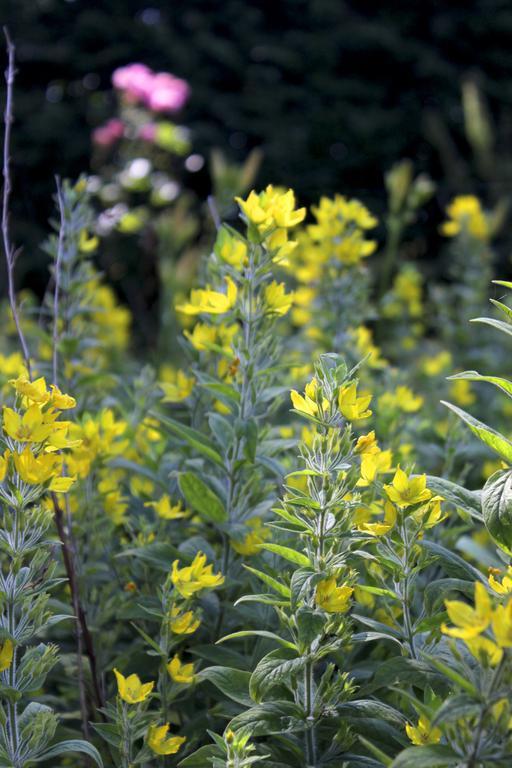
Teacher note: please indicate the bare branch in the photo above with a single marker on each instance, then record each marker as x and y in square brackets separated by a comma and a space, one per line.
[56, 278]
[10, 252]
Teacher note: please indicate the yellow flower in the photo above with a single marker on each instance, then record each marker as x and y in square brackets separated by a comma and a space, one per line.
[130, 689]
[4, 464]
[502, 625]
[432, 366]
[87, 244]
[465, 214]
[271, 208]
[6, 654]
[406, 491]
[367, 444]
[379, 528]
[31, 391]
[37, 470]
[308, 403]
[164, 509]
[352, 406]
[180, 673]
[160, 743]
[431, 513]
[503, 587]
[208, 302]
[373, 464]
[407, 401]
[469, 622]
[195, 577]
[33, 427]
[183, 623]
[484, 649]
[251, 543]
[423, 733]
[461, 392]
[277, 300]
[60, 400]
[179, 389]
[363, 338]
[230, 249]
[202, 336]
[332, 598]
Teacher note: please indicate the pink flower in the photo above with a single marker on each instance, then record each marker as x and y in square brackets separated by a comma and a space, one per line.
[135, 80]
[168, 94]
[107, 134]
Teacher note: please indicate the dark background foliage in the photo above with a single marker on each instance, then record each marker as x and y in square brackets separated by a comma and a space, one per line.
[334, 92]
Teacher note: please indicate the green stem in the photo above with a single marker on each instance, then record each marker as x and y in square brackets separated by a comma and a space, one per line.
[309, 710]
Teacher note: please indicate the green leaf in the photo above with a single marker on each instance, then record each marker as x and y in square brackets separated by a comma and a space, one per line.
[274, 669]
[469, 501]
[432, 756]
[453, 675]
[502, 307]
[72, 745]
[504, 384]
[258, 633]
[270, 717]
[201, 498]
[487, 435]
[234, 683]
[454, 565]
[195, 439]
[384, 759]
[497, 508]
[281, 589]
[289, 554]
[498, 324]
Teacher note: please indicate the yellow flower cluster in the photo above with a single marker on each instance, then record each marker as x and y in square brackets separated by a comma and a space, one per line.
[209, 302]
[251, 543]
[34, 435]
[465, 214]
[176, 385]
[195, 577]
[340, 229]
[270, 214]
[470, 624]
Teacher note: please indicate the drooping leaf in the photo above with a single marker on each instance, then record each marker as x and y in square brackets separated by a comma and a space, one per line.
[431, 756]
[469, 501]
[201, 498]
[72, 745]
[234, 683]
[487, 435]
[497, 508]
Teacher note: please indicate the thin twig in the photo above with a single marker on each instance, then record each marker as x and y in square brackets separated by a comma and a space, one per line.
[56, 279]
[10, 252]
[82, 629]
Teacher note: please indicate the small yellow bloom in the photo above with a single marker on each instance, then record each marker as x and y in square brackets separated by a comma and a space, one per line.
[271, 208]
[469, 622]
[308, 403]
[252, 541]
[332, 598]
[6, 654]
[201, 336]
[484, 649]
[130, 689]
[208, 302]
[195, 577]
[162, 744]
[4, 464]
[423, 733]
[373, 464]
[503, 587]
[165, 510]
[407, 401]
[367, 444]
[37, 470]
[277, 301]
[382, 527]
[183, 623]
[461, 392]
[177, 390]
[60, 400]
[352, 406]
[230, 249]
[406, 491]
[31, 391]
[87, 244]
[180, 673]
[33, 427]
[465, 214]
[502, 625]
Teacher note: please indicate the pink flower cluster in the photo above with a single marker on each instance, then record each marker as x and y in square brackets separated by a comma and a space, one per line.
[109, 133]
[158, 91]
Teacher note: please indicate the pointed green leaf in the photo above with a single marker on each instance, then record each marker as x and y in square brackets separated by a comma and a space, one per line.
[201, 498]
[487, 435]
